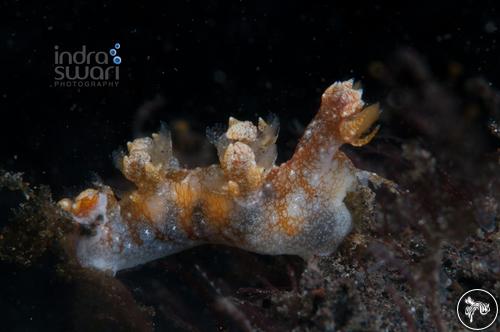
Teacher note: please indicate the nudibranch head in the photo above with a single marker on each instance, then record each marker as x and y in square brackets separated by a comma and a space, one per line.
[349, 111]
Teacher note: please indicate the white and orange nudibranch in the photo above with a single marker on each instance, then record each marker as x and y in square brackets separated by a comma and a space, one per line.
[246, 201]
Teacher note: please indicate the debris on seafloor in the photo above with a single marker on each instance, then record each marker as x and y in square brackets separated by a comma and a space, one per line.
[296, 208]
[39, 224]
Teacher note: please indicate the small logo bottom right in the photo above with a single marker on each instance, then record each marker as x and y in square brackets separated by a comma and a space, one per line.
[477, 309]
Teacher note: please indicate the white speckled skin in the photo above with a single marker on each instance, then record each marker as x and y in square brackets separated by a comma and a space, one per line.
[295, 208]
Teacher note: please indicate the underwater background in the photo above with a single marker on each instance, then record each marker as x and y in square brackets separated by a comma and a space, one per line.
[434, 67]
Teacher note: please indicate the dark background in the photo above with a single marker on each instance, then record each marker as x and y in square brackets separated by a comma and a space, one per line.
[199, 63]
[207, 62]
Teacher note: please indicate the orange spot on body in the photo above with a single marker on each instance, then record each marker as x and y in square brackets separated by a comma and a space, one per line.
[287, 226]
[216, 209]
[85, 203]
[286, 223]
[186, 198]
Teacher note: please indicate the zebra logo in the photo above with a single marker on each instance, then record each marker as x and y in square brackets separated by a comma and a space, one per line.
[477, 309]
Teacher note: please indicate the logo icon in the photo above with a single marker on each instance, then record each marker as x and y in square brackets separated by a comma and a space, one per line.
[484, 308]
[114, 53]
[477, 309]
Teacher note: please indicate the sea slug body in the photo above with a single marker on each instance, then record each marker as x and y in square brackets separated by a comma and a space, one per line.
[246, 201]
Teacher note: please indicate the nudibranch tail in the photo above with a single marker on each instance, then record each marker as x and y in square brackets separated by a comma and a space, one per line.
[245, 201]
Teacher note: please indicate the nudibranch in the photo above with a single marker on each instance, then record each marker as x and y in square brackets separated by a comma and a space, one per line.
[246, 201]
